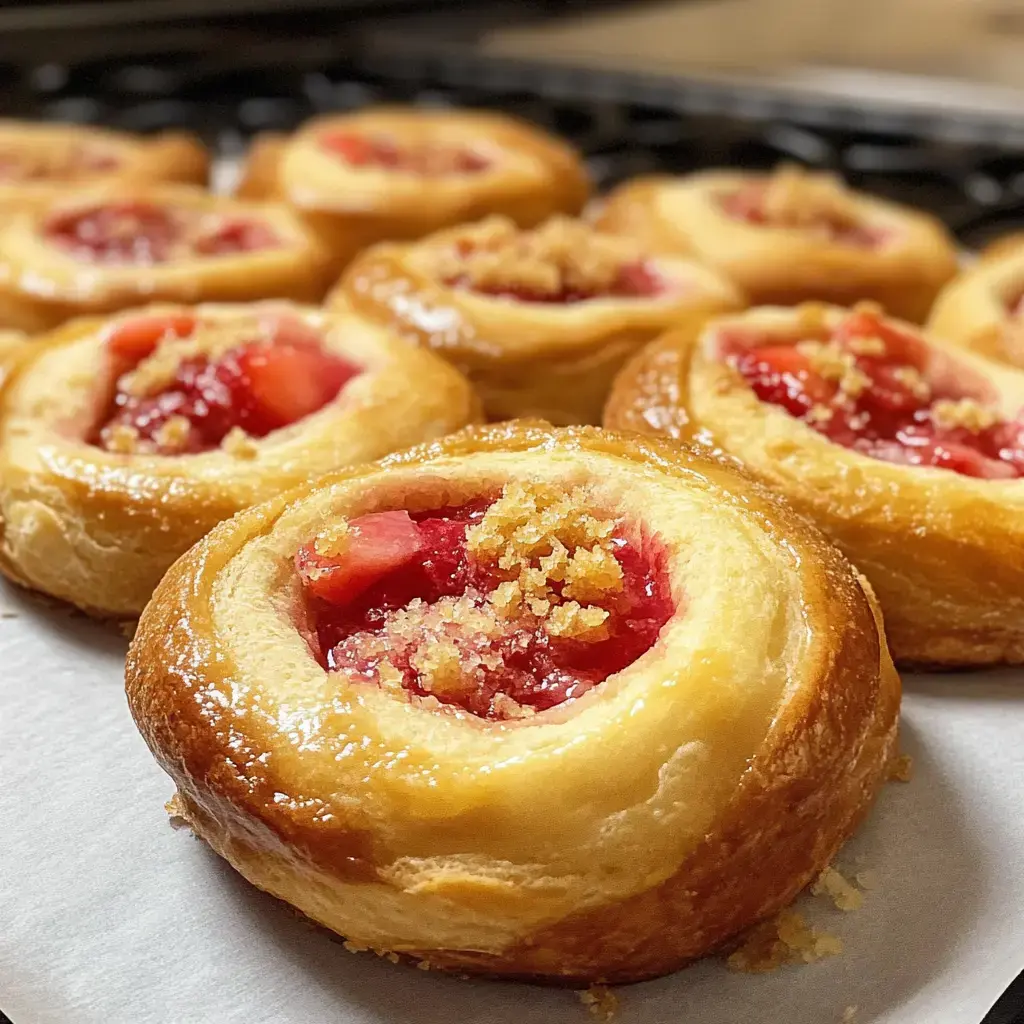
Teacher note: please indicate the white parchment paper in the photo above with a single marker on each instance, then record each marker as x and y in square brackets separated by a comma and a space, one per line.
[109, 916]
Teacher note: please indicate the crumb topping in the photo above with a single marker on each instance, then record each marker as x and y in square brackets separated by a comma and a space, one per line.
[785, 939]
[123, 439]
[559, 257]
[239, 445]
[601, 1002]
[913, 381]
[901, 769]
[965, 413]
[833, 363]
[797, 197]
[832, 884]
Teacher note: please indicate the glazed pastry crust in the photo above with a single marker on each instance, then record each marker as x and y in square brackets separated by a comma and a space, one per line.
[534, 176]
[973, 310]
[783, 265]
[99, 528]
[42, 287]
[142, 159]
[943, 551]
[552, 361]
[614, 838]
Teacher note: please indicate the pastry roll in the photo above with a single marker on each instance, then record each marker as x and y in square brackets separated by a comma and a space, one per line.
[104, 249]
[124, 440]
[540, 319]
[553, 704]
[983, 308]
[47, 157]
[907, 453]
[791, 235]
[399, 173]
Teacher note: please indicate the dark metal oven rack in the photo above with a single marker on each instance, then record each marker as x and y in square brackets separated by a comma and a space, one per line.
[230, 82]
[228, 85]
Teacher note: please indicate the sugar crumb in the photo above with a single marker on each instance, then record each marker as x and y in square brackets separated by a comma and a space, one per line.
[901, 769]
[849, 1014]
[965, 413]
[784, 939]
[601, 1002]
[831, 883]
[239, 444]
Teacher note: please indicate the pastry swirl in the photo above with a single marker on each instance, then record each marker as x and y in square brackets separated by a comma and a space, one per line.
[791, 236]
[398, 172]
[124, 440]
[908, 453]
[101, 249]
[560, 704]
[540, 320]
[36, 158]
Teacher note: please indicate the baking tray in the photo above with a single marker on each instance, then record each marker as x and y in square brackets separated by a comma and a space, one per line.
[246, 78]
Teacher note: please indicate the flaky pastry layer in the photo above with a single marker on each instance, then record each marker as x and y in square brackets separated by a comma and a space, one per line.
[99, 528]
[613, 837]
[785, 265]
[943, 551]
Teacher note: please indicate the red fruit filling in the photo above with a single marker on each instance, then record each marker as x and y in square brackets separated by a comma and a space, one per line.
[182, 386]
[874, 388]
[817, 204]
[564, 261]
[502, 608]
[142, 233]
[429, 159]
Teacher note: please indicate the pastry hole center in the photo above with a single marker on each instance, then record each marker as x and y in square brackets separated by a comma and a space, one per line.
[878, 389]
[502, 607]
[181, 384]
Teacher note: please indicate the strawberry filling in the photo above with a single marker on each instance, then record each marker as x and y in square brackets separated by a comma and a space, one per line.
[276, 378]
[412, 602]
[142, 234]
[876, 389]
[637, 280]
[429, 159]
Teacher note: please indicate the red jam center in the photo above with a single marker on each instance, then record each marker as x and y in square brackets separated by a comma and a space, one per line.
[429, 159]
[403, 583]
[141, 233]
[258, 386]
[870, 387]
[637, 280]
[748, 204]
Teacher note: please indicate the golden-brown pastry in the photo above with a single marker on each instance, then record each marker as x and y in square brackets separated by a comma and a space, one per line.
[907, 453]
[123, 441]
[790, 236]
[557, 704]
[397, 173]
[36, 157]
[107, 248]
[983, 308]
[541, 319]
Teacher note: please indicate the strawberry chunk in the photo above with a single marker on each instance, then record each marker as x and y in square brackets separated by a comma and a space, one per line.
[901, 348]
[357, 150]
[131, 341]
[237, 236]
[782, 375]
[374, 546]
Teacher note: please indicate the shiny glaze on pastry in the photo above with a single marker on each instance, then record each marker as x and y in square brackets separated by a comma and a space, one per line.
[790, 236]
[39, 158]
[107, 248]
[983, 309]
[540, 320]
[123, 441]
[398, 173]
[600, 703]
[907, 452]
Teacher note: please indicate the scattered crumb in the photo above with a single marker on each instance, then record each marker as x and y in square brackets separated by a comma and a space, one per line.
[965, 413]
[832, 884]
[868, 346]
[796, 197]
[239, 444]
[176, 813]
[423, 965]
[785, 939]
[122, 439]
[901, 769]
[173, 435]
[601, 1002]
[8, 615]
[867, 880]
[355, 947]
[849, 1013]
[913, 381]
[562, 255]
[820, 413]
[128, 628]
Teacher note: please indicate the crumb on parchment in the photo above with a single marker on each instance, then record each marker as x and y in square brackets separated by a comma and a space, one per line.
[784, 939]
[901, 769]
[601, 1002]
[833, 884]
